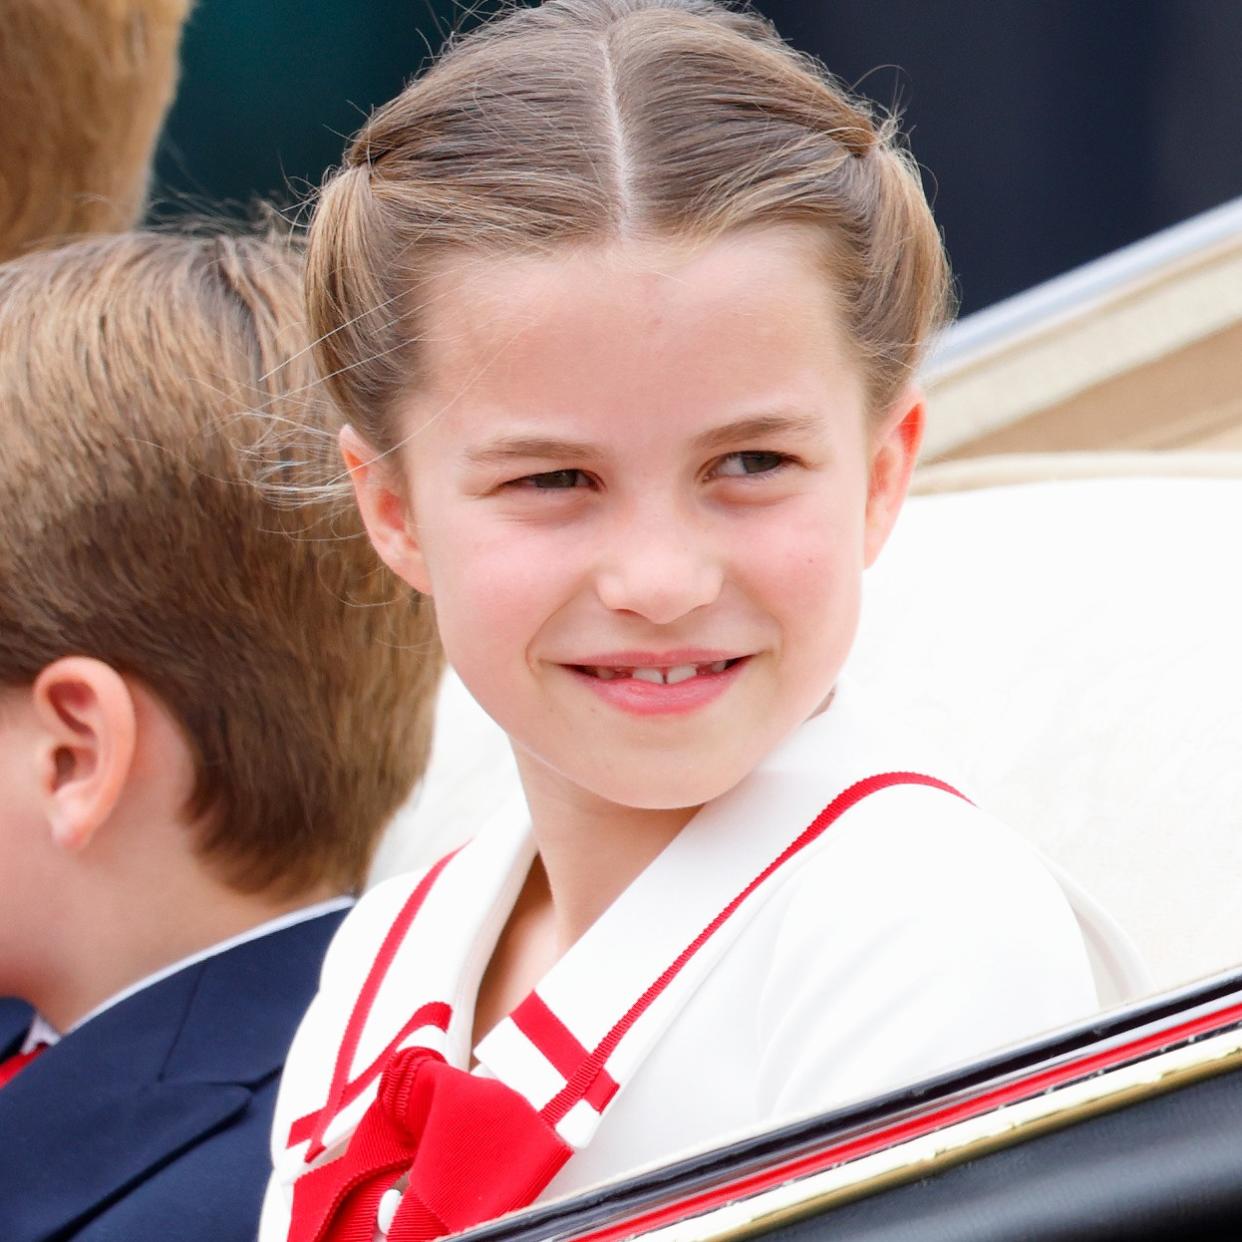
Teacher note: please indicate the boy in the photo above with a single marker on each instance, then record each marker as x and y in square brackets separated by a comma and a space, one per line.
[210, 703]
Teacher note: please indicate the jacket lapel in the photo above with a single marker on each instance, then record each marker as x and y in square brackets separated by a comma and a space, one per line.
[15, 1019]
[150, 1077]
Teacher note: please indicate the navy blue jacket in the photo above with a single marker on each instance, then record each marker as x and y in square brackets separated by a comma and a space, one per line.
[151, 1121]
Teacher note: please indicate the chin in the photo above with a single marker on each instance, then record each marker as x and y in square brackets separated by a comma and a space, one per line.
[669, 791]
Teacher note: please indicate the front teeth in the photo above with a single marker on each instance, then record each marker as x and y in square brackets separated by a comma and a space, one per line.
[660, 676]
[653, 675]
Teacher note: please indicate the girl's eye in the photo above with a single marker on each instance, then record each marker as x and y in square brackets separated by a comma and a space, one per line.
[738, 465]
[554, 480]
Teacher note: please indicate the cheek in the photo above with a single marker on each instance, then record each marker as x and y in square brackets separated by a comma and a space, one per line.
[495, 584]
[809, 580]
[807, 562]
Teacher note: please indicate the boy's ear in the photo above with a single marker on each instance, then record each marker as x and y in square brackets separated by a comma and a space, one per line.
[894, 450]
[88, 729]
[385, 511]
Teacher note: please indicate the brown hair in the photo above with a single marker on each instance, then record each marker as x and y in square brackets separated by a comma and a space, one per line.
[132, 530]
[83, 92]
[591, 120]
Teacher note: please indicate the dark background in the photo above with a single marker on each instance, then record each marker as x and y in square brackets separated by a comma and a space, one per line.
[1050, 131]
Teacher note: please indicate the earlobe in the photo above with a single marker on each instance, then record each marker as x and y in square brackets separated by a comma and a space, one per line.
[895, 450]
[385, 511]
[89, 732]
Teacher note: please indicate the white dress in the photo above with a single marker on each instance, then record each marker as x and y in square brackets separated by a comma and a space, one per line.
[771, 962]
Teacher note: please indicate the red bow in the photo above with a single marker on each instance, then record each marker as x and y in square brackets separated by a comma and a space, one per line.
[473, 1148]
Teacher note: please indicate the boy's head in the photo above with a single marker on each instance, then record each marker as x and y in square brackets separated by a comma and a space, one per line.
[148, 583]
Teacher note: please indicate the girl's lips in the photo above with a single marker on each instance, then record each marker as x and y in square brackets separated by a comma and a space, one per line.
[648, 698]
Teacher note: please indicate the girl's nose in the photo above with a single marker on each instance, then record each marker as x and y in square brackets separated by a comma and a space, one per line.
[659, 570]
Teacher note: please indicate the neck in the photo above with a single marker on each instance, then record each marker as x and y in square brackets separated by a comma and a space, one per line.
[591, 849]
[122, 935]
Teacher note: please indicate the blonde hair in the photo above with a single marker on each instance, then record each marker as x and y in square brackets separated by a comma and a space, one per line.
[132, 530]
[594, 120]
[84, 87]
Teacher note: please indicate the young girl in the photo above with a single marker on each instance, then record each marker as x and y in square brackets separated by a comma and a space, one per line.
[621, 302]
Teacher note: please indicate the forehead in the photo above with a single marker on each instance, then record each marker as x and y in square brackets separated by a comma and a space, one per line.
[635, 333]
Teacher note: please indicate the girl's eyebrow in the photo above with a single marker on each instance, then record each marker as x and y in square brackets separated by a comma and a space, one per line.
[755, 427]
[510, 448]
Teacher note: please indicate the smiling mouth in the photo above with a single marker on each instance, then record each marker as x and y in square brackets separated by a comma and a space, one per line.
[658, 676]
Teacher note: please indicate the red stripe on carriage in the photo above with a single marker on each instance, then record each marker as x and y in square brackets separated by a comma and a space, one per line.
[340, 1085]
[560, 1046]
[585, 1075]
[894, 1133]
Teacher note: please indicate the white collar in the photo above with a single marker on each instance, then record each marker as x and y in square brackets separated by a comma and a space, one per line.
[42, 1032]
[715, 870]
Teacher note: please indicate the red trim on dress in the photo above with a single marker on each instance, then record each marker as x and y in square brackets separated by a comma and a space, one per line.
[561, 1047]
[436, 1014]
[584, 1077]
[585, 1073]
[340, 1086]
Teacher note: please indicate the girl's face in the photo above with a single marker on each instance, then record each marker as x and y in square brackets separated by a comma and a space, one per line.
[640, 485]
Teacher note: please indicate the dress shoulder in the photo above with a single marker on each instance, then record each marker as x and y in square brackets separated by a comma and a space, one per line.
[923, 934]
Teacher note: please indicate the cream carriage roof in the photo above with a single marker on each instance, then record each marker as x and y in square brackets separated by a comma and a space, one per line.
[1135, 351]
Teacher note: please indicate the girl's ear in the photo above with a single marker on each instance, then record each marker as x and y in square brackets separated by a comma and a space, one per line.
[88, 732]
[385, 511]
[894, 451]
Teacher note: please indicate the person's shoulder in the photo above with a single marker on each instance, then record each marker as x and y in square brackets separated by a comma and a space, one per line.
[917, 853]
[922, 934]
[915, 887]
[913, 869]
[210, 1192]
